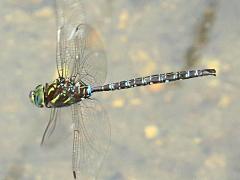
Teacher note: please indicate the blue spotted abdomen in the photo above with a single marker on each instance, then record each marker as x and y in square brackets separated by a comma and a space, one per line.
[154, 79]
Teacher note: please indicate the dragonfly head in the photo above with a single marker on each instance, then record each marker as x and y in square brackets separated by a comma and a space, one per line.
[37, 96]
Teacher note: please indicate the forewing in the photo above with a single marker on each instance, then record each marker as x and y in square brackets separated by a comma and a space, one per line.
[51, 125]
[80, 51]
[91, 139]
[69, 13]
[58, 128]
[90, 63]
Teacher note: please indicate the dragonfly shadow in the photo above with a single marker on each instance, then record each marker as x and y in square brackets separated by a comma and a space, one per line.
[202, 35]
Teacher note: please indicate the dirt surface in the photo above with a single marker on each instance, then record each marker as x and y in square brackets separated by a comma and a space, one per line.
[184, 130]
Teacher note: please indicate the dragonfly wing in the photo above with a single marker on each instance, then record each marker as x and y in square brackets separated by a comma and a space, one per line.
[90, 63]
[80, 51]
[58, 128]
[68, 15]
[51, 125]
[91, 139]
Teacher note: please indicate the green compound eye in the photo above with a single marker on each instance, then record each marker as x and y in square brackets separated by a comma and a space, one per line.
[37, 96]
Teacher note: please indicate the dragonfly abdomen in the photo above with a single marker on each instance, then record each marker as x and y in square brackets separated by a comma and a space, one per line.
[153, 79]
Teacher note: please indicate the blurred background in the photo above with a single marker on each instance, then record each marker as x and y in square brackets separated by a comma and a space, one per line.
[183, 130]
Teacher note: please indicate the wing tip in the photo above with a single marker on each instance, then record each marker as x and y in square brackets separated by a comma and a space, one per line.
[74, 175]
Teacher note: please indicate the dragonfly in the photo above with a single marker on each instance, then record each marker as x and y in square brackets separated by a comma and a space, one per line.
[81, 64]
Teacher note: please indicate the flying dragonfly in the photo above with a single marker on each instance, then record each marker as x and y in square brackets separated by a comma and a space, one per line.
[82, 67]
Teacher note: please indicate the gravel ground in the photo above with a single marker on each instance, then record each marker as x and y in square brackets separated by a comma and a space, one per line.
[187, 130]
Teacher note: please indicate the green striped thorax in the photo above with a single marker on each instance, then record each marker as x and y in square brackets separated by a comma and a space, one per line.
[37, 96]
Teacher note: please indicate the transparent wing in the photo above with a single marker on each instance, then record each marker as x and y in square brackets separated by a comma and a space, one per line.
[51, 125]
[80, 51]
[59, 123]
[91, 139]
[68, 15]
[90, 61]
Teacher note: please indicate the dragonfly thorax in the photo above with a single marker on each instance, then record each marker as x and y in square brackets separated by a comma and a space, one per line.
[65, 92]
